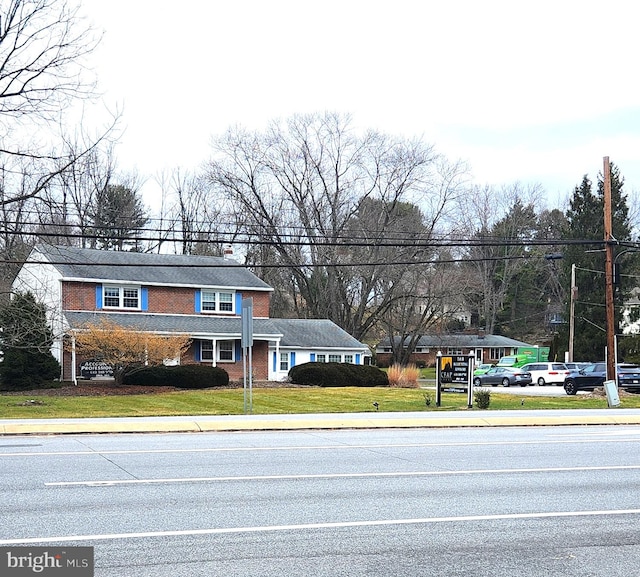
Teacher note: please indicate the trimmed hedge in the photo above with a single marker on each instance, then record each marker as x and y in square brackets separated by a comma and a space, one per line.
[338, 375]
[181, 376]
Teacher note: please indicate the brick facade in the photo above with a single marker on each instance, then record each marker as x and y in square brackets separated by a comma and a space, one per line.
[81, 296]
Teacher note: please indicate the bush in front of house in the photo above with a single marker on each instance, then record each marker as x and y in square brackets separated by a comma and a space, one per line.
[338, 375]
[181, 376]
[27, 369]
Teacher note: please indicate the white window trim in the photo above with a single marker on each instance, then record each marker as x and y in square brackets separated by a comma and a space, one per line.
[216, 301]
[121, 297]
[233, 349]
[215, 351]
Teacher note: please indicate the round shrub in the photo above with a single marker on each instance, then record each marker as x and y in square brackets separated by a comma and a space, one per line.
[338, 375]
[181, 376]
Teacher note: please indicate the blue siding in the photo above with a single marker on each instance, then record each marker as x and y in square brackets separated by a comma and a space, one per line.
[99, 297]
[198, 301]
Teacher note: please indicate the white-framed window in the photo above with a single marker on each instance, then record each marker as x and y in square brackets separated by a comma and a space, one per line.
[224, 351]
[217, 301]
[335, 358]
[454, 351]
[321, 358]
[206, 350]
[284, 361]
[348, 359]
[121, 297]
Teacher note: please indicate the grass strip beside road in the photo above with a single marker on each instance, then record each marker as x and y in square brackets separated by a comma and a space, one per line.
[278, 401]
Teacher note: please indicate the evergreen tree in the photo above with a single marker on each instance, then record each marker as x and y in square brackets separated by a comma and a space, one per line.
[118, 217]
[26, 341]
[585, 226]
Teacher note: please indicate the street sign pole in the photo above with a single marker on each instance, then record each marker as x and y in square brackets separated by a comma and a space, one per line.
[247, 349]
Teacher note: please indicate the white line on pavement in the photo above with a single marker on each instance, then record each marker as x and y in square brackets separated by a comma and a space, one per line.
[113, 482]
[317, 447]
[316, 526]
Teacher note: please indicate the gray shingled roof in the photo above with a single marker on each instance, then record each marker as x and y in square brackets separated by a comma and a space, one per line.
[314, 333]
[463, 341]
[145, 268]
[299, 333]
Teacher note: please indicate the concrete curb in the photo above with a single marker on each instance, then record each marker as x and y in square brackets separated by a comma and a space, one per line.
[196, 424]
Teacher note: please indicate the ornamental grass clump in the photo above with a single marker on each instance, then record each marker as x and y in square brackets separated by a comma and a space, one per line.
[405, 377]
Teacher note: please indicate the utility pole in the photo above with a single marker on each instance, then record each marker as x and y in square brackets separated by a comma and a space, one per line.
[608, 274]
[572, 311]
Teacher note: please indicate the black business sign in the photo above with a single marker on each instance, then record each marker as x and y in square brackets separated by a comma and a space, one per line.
[96, 370]
[454, 372]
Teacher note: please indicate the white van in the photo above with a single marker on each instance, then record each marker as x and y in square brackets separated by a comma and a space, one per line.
[543, 373]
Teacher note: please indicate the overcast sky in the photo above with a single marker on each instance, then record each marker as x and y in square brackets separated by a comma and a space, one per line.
[536, 92]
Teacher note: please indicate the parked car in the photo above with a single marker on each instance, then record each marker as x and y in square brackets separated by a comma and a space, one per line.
[505, 376]
[629, 378]
[576, 366]
[595, 374]
[543, 373]
[482, 369]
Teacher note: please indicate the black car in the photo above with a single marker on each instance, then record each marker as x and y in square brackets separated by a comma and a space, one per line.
[594, 375]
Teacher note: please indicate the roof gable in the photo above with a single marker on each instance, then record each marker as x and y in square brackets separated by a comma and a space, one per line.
[86, 264]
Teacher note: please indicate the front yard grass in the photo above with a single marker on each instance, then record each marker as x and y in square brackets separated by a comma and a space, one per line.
[279, 401]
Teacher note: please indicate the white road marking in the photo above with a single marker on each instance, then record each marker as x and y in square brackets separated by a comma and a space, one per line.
[98, 452]
[316, 526]
[113, 482]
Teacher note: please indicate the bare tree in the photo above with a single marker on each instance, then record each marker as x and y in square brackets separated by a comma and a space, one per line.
[44, 45]
[300, 192]
[192, 215]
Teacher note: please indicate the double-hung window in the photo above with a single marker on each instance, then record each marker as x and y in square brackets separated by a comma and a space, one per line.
[284, 361]
[225, 351]
[214, 301]
[121, 297]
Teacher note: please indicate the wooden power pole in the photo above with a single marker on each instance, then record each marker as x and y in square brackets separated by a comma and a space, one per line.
[609, 241]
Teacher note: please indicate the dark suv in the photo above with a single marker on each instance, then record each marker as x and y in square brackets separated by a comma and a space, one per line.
[592, 376]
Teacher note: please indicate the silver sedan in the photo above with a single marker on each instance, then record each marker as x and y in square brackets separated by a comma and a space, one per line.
[505, 376]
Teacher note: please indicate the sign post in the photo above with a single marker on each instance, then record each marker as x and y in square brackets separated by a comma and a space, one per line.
[438, 369]
[471, 361]
[247, 348]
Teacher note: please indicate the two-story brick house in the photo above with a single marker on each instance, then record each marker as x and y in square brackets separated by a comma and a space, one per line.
[200, 296]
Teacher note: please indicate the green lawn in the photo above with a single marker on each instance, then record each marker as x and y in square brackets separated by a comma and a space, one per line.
[278, 401]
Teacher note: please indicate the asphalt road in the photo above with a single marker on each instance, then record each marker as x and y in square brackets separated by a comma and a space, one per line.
[498, 501]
